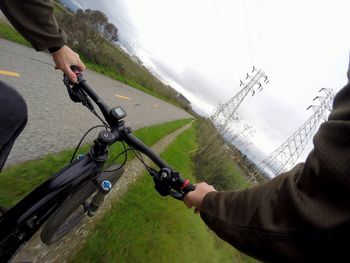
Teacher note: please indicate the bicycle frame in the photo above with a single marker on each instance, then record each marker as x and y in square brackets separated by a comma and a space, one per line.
[21, 222]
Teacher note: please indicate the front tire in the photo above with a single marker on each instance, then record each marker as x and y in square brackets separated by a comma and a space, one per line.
[67, 216]
[73, 210]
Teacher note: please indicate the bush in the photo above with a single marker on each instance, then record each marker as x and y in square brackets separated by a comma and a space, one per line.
[213, 160]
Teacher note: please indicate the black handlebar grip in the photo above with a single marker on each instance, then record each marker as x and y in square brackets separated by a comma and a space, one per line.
[77, 72]
[75, 69]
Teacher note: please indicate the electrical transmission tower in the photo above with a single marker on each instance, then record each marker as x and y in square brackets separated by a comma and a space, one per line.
[225, 113]
[239, 138]
[285, 156]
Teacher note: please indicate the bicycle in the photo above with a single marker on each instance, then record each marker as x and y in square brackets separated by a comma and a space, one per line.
[79, 189]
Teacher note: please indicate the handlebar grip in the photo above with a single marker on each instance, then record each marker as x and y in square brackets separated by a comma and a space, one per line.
[75, 69]
[187, 187]
[77, 72]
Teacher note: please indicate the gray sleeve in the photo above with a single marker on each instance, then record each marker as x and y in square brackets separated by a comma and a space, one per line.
[35, 21]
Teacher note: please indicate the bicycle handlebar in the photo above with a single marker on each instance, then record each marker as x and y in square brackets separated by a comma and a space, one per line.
[139, 145]
[166, 179]
[166, 176]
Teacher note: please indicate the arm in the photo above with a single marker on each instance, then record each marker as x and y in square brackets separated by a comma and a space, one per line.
[35, 21]
[302, 215]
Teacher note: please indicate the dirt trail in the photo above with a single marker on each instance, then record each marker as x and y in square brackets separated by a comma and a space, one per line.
[37, 252]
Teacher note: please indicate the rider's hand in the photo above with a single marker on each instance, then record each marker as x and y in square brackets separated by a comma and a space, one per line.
[64, 58]
[195, 198]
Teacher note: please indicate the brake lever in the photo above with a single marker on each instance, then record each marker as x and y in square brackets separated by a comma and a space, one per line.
[165, 190]
[165, 180]
[75, 92]
[87, 101]
[177, 195]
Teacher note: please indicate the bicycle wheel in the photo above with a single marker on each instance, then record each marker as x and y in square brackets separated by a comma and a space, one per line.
[72, 211]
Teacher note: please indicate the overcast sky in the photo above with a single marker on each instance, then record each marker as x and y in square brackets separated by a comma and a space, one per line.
[203, 48]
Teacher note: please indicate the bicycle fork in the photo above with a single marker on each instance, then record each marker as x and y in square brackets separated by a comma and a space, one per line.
[104, 187]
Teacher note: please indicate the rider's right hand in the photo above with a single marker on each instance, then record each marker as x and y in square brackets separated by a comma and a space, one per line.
[195, 198]
[64, 58]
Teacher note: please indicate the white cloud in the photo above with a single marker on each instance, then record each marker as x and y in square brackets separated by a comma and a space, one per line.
[205, 47]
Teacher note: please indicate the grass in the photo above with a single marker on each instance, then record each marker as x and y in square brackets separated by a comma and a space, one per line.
[237, 179]
[8, 32]
[144, 227]
[215, 161]
[18, 180]
[114, 75]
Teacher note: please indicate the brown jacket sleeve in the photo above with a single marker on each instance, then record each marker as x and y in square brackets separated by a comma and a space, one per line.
[35, 21]
[302, 215]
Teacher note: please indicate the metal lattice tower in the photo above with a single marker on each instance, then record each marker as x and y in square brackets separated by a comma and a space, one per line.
[285, 156]
[225, 113]
[238, 139]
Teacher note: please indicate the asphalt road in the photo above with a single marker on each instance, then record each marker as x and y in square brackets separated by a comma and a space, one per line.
[55, 122]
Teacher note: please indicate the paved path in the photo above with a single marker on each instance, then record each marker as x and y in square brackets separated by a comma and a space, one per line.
[55, 122]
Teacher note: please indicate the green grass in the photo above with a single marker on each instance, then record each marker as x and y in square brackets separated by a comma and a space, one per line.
[214, 162]
[8, 32]
[144, 227]
[237, 180]
[20, 179]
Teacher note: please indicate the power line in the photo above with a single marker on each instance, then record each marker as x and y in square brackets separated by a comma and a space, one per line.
[225, 31]
[237, 21]
[248, 31]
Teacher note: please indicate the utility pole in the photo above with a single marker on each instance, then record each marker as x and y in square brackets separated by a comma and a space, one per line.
[239, 140]
[239, 133]
[285, 156]
[225, 113]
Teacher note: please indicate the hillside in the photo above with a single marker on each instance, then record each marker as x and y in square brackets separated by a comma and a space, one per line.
[96, 40]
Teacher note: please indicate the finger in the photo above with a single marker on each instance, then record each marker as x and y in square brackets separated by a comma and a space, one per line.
[188, 204]
[71, 75]
[81, 65]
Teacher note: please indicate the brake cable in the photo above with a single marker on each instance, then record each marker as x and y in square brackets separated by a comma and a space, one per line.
[82, 139]
[124, 161]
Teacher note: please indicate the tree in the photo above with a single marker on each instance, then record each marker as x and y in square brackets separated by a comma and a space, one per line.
[110, 32]
[96, 22]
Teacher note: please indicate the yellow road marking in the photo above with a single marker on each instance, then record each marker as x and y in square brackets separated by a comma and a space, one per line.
[156, 105]
[122, 97]
[9, 73]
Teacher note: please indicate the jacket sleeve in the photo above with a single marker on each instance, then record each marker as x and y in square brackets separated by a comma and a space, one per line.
[298, 216]
[35, 21]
